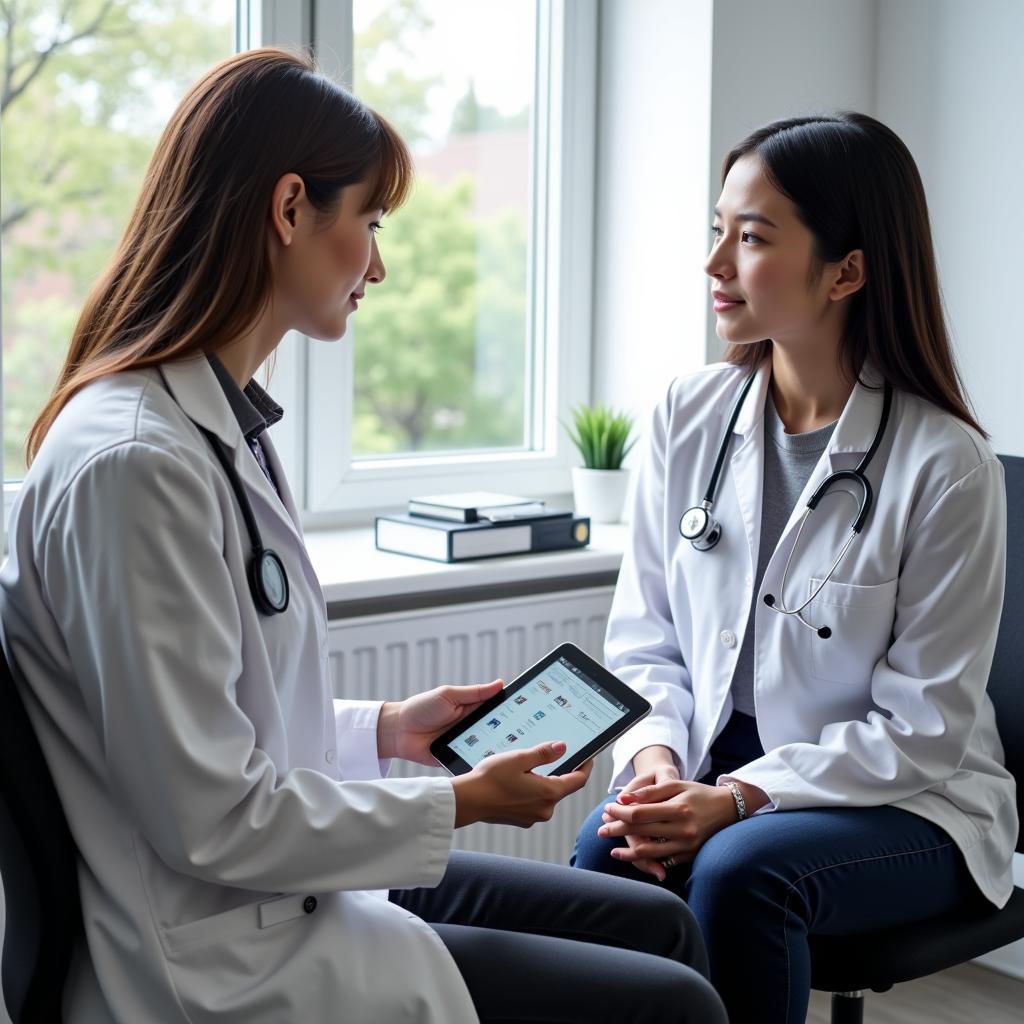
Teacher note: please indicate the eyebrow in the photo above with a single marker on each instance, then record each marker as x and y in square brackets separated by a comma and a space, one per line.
[750, 215]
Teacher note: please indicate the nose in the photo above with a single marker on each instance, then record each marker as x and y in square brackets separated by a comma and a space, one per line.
[375, 272]
[719, 264]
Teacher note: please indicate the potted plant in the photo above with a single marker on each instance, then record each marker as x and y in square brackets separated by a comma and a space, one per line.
[603, 439]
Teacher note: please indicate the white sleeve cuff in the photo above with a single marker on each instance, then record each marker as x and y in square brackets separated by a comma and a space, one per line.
[355, 723]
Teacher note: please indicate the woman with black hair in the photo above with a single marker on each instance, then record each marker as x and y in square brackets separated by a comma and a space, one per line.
[811, 594]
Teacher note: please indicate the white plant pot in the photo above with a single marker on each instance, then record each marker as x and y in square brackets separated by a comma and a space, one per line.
[600, 493]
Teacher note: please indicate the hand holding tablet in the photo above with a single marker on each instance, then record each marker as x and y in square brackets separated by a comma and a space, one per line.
[566, 696]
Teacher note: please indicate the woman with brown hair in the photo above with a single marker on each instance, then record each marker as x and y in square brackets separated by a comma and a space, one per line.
[242, 855]
[812, 591]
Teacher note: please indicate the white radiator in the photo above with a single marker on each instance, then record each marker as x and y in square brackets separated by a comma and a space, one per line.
[393, 656]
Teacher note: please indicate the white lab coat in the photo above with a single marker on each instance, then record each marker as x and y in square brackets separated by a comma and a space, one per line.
[891, 709]
[211, 785]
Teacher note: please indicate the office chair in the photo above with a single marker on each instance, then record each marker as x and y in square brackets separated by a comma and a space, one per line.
[38, 865]
[847, 966]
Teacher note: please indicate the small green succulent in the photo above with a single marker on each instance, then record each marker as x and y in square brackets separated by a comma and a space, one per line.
[602, 436]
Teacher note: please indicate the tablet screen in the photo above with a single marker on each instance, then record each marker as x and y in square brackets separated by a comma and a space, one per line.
[560, 703]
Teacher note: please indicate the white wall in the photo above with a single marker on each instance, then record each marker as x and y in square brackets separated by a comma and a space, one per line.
[951, 84]
[650, 308]
[781, 59]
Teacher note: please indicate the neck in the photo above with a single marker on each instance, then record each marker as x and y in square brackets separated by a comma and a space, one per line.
[244, 355]
[808, 389]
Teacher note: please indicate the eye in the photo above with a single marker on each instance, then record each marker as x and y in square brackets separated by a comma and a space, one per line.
[376, 226]
[716, 231]
[749, 236]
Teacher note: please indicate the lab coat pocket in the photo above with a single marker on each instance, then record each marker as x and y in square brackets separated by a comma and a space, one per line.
[236, 923]
[861, 619]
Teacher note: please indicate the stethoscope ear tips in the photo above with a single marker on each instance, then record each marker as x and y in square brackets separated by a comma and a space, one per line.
[823, 631]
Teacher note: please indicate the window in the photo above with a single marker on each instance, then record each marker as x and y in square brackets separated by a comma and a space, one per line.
[89, 86]
[456, 371]
[440, 360]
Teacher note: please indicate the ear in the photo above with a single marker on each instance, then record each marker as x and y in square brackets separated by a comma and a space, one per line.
[849, 276]
[286, 204]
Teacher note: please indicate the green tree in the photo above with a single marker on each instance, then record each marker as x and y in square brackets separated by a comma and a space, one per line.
[383, 53]
[86, 85]
[85, 88]
[439, 349]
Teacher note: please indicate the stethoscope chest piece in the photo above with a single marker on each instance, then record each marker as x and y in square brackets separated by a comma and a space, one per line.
[268, 582]
[700, 528]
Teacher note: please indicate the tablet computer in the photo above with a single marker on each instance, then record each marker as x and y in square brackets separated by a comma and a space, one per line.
[566, 696]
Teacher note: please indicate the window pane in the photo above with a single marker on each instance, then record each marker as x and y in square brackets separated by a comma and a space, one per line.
[92, 84]
[441, 353]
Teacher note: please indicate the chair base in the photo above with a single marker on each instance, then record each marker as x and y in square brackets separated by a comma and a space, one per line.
[847, 1008]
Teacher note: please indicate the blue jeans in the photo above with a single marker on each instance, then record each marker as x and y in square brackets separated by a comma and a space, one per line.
[760, 887]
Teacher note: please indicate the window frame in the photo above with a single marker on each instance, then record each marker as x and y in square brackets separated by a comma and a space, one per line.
[313, 380]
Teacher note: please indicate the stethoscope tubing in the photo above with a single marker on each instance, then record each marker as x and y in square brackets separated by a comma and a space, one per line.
[858, 475]
[263, 563]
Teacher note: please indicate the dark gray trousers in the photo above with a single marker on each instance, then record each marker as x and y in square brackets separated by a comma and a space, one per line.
[539, 942]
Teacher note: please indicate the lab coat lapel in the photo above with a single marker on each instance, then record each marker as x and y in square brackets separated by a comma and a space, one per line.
[197, 391]
[747, 460]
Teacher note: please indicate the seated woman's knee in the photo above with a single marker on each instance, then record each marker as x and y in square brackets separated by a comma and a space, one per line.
[729, 868]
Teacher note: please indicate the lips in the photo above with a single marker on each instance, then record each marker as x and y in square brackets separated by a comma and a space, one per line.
[723, 302]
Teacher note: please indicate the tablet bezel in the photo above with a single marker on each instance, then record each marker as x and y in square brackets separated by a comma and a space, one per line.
[636, 709]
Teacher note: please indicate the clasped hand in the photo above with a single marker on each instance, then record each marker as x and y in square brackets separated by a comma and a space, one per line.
[661, 816]
[503, 788]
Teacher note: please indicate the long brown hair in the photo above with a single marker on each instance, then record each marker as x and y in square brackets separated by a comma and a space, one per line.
[193, 269]
[856, 186]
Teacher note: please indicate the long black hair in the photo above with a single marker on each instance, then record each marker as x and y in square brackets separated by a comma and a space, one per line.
[856, 186]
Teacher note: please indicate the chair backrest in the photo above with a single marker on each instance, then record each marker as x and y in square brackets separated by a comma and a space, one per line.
[39, 869]
[1006, 682]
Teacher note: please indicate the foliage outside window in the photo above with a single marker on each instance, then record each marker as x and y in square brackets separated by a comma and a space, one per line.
[87, 87]
[441, 347]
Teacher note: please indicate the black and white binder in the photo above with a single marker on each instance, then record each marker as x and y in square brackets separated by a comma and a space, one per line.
[443, 541]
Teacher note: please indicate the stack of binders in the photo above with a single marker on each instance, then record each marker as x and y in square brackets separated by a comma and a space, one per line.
[456, 527]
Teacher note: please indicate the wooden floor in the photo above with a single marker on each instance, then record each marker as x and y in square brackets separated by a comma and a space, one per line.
[967, 994]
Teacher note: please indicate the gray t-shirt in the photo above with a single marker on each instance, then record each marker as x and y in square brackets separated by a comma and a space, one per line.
[789, 460]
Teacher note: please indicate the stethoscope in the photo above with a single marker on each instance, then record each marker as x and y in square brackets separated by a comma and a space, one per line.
[268, 581]
[703, 531]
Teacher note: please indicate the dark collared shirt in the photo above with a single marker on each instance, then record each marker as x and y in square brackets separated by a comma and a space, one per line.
[254, 409]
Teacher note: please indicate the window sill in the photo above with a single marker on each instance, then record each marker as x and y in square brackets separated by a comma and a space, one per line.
[359, 580]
